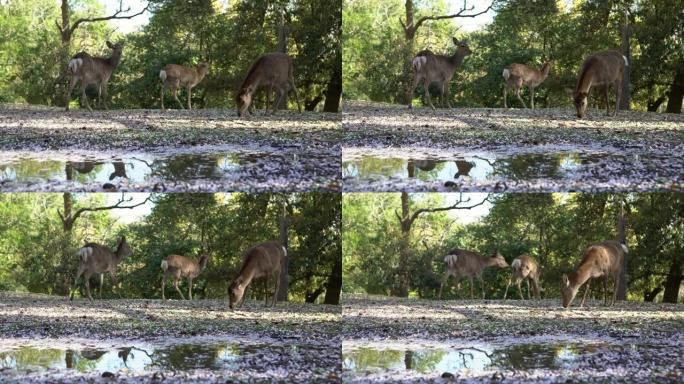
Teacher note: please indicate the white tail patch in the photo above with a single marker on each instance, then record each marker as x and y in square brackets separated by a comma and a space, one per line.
[624, 248]
[164, 265]
[84, 253]
[506, 73]
[418, 62]
[74, 64]
[626, 62]
[284, 250]
[451, 260]
[516, 264]
[162, 75]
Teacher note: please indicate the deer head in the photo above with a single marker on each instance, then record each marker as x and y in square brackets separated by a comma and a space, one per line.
[122, 248]
[116, 48]
[568, 290]
[236, 291]
[462, 47]
[497, 260]
[244, 100]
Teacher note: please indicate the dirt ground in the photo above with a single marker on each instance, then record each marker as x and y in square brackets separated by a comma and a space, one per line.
[289, 343]
[632, 151]
[630, 342]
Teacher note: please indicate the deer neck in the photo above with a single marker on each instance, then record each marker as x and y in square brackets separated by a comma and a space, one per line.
[247, 275]
[580, 276]
[544, 73]
[456, 59]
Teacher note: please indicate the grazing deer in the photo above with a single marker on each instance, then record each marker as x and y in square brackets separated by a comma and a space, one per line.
[460, 263]
[177, 267]
[517, 76]
[600, 260]
[525, 268]
[263, 260]
[93, 70]
[96, 258]
[174, 76]
[600, 69]
[429, 68]
[271, 71]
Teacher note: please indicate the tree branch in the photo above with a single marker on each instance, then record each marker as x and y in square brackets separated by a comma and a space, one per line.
[447, 208]
[111, 17]
[115, 206]
[455, 15]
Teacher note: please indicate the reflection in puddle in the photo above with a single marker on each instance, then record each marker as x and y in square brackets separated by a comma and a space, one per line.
[540, 169]
[139, 358]
[473, 358]
[259, 168]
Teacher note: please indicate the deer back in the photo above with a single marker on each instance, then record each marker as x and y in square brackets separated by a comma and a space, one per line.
[525, 266]
[97, 258]
[264, 259]
[269, 69]
[600, 68]
[601, 259]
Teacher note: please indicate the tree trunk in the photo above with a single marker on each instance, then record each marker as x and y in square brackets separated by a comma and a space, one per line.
[334, 287]
[283, 289]
[622, 237]
[649, 296]
[627, 52]
[676, 94]
[673, 282]
[402, 285]
[283, 33]
[310, 297]
[334, 91]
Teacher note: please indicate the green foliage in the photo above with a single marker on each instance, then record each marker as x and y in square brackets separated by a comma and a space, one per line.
[553, 228]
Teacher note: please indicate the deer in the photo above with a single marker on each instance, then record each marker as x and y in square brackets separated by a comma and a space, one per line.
[272, 71]
[174, 75]
[525, 268]
[603, 259]
[460, 262]
[177, 267]
[429, 68]
[95, 71]
[517, 76]
[263, 260]
[96, 258]
[604, 68]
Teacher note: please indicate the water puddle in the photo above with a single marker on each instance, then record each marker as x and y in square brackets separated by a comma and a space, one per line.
[486, 172]
[233, 171]
[214, 356]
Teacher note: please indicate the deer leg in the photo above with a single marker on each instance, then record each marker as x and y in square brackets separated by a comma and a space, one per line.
[281, 96]
[164, 277]
[78, 274]
[517, 93]
[505, 89]
[531, 96]
[189, 288]
[426, 85]
[175, 285]
[99, 96]
[522, 297]
[585, 293]
[189, 92]
[101, 284]
[105, 92]
[175, 93]
[529, 294]
[67, 95]
[87, 285]
[84, 97]
[616, 280]
[535, 289]
[115, 283]
[161, 97]
[618, 95]
[510, 281]
[269, 90]
[447, 93]
[277, 287]
[482, 286]
[605, 290]
[445, 279]
[607, 90]
[409, 96]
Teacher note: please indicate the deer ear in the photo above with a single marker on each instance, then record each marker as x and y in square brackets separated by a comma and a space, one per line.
[565, 280]
[455, 40]
[109, 44]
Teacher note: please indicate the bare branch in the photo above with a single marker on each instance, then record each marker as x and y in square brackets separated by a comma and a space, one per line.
[447, 208]
[105, 208]
[460, 13]
[116, 15]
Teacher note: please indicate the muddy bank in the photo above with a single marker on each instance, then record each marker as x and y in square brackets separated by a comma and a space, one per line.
[392, 339]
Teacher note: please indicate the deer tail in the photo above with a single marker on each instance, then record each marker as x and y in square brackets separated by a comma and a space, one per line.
[84, 253]
[450, 261]
[516, 264]
[164, 263]
[624, 248]
[162, 75]
[418, 62]
[626, 61]
[75, 64]
[506, 74]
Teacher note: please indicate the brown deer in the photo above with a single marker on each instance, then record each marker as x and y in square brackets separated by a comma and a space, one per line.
[96, 258]
[177, 267]
[517, 76]
[429, 68]
[174, 75]
[600, 69]
[525, 268]
[263, 260]
[93, 70]
[460, 262]
[272, 71]
[600, 260]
